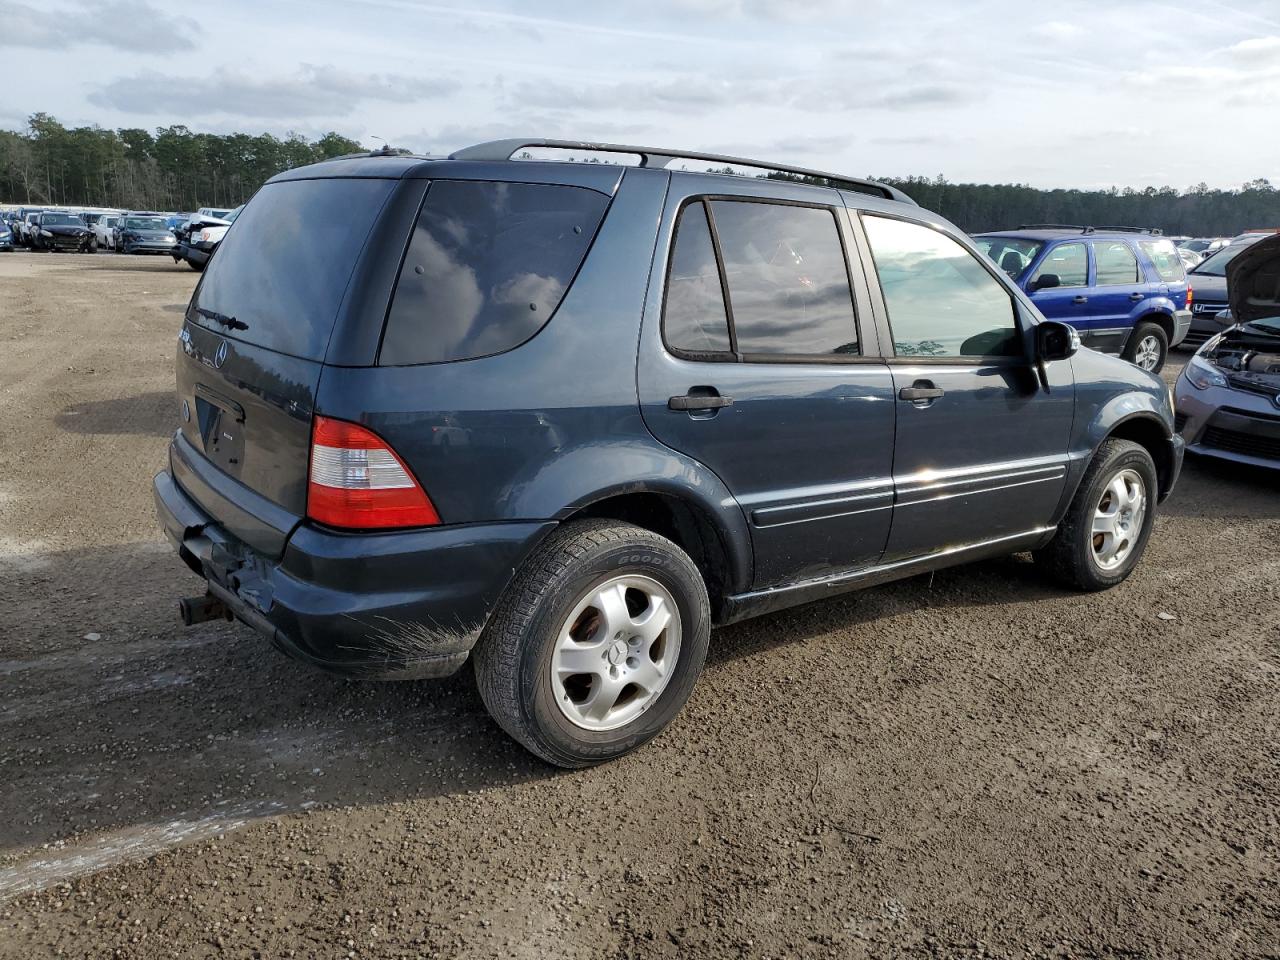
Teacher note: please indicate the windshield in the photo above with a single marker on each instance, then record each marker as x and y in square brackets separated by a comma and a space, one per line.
[1268, 325]
[231, 217]
[1199, 246]
[1011, 254]
[144, 223]
[61, 220]
[1216, 265]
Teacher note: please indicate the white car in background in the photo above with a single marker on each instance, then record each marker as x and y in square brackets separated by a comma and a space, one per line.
[103, 230]
[200, 237]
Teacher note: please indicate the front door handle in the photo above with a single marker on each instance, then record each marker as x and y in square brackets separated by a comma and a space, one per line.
[920, 390]
[1080, 299]
[699, 401]
[1135, 296]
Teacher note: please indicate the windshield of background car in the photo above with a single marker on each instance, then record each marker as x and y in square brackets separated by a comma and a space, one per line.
[61, 220]
[1011, 254]
[1216, 265]
[1199, 246]
[144, 223]
[231, 217]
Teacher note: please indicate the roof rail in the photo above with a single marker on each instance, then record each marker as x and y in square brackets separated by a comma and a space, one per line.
[658, 157]
[1054, 226]
[1154, 231]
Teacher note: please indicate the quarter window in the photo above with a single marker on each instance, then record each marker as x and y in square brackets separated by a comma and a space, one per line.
[1115, 263]
[1069, 262]
[1165, 257]
[941, 301]
[695, 320]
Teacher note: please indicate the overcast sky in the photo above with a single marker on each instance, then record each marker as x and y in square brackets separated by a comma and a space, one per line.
[1085, 93]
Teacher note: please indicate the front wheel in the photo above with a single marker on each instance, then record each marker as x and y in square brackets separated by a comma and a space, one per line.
[597, 643]
[1105, 531]
[1148, 347]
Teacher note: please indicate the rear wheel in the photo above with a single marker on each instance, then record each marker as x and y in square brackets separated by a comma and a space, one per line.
[1148, 347]
[1105, 531]
[596, 644]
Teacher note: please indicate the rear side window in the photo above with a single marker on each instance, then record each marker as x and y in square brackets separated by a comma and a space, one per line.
[487, 266]
[283, 270]
[695, 321]
[788, 283]
[1114, 262]
[1164, 255]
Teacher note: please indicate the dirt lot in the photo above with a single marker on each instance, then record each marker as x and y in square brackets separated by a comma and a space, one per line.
[973, 764]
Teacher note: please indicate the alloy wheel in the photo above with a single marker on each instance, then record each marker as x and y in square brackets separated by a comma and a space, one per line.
[1147, 355]
[616, 652]
[1118, 518]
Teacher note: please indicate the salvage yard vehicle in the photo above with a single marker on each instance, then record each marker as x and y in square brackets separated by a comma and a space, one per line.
[686, 399]
[104, 231]
[55, 230]
[1124, 289]
[1228, 397]
[1210, 313]
[140, 232]
[25, 220]
[6, 236]
[201, 236]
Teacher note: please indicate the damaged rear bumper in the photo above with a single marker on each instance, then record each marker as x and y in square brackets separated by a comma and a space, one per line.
[387, 606]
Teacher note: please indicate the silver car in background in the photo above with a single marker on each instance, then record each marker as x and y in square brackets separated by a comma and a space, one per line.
[1227, 399]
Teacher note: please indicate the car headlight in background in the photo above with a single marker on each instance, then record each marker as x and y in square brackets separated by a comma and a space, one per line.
[169, 238]
[1202, 375]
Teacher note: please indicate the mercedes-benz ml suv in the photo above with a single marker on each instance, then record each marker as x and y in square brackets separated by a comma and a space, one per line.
[561, 418]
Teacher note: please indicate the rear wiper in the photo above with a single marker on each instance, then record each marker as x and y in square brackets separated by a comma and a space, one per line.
[229, 322]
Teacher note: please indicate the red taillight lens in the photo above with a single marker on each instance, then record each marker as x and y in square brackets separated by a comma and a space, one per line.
[359, 483]
[1190, 294]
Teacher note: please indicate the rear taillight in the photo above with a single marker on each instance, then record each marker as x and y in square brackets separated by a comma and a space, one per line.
[359, 483]
[1190, 294]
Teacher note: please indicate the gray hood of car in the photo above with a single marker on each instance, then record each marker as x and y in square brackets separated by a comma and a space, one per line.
[1253, 281]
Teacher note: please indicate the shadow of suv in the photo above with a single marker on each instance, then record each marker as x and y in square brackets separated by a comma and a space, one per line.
[1123, 288]
[563, 417]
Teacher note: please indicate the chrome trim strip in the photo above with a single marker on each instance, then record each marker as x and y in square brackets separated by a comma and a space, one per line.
[807, 510]
[874, 572]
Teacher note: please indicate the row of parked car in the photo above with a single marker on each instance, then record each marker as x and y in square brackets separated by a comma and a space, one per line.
[189, 237]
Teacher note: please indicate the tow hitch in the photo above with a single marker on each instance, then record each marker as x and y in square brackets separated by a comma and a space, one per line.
[195, 610]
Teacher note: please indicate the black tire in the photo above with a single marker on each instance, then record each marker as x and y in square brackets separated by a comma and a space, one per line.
[1142, 332]
[1070, 558]
[513, 659]
[93, 245]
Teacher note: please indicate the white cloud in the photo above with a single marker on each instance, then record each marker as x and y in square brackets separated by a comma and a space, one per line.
[1256, 51]
[123, 24]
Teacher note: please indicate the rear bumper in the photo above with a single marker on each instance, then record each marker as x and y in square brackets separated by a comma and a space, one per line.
[1181, 326]
[402, 605]
[194, 252]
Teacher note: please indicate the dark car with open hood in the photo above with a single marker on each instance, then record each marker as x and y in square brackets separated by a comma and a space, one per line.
[558, 418]
[1228, 397]
[57, 230]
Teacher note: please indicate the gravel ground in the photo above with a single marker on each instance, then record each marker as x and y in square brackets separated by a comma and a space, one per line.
[968, 764]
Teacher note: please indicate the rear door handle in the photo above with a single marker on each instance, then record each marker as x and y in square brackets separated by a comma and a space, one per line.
[1135, 296]
[692, 401]
[1080, 299]
[921, 390]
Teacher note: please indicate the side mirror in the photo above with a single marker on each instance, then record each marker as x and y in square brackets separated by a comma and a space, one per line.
[1055, 341]
[1047, 280]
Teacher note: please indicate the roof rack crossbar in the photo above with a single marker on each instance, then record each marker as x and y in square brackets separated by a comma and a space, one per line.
[1153, 231]
[498, 150]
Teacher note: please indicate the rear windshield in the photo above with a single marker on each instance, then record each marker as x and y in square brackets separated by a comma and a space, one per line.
[1165, 256]
[282, 272]
[487, 266]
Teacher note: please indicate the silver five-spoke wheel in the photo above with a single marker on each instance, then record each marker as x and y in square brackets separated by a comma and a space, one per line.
[615, 652]
[1147, 354]
[1117, 518]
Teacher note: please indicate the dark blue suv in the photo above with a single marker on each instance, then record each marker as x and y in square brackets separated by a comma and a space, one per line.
[560, 418]
[1124, 289]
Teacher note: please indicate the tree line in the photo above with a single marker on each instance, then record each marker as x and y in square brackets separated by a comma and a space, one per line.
[175, 168]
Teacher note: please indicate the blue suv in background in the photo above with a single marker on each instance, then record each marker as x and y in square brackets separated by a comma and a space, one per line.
[1124, 289]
